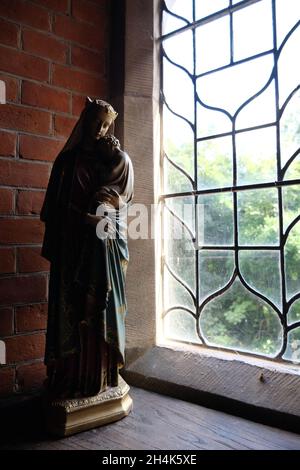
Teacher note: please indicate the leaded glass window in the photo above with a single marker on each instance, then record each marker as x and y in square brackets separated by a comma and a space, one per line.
[230, 159]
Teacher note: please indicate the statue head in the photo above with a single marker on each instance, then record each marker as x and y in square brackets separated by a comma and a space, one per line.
[99, 118]
[96, 120]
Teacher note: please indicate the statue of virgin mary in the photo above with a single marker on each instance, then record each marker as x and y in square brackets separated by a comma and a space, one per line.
[85, 342]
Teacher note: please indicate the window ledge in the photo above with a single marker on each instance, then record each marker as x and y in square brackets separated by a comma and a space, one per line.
[228, 381]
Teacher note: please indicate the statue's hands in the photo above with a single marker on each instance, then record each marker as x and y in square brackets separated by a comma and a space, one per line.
[110, 196]
[115, 199]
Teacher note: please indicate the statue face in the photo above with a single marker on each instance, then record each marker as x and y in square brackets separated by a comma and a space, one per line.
[103, 123]
[98, 124]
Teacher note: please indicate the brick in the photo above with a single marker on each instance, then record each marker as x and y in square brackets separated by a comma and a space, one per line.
[63, 125]
[12, 87]
[6, 322]
[7, 379]
[26, 13]
[25, 347]
[7, 144]
[14, 231]
[31, 377]
[22, 64]
[9, 33]
[78, 103]
[39, 148]
[6, 201]
[31, 318]
[31, 261]
[45, 46]
[23, 289]
[56, 5]
[88, 60]
[86, 11]
[30, 202]
[81, 82]
[81, 33]
[24, 174]
[45, 97]
[25, 119]
[7, 260]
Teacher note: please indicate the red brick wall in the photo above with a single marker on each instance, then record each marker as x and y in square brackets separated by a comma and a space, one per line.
[52, 54]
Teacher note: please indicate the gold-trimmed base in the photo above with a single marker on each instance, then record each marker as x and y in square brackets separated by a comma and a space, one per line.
[67, 417]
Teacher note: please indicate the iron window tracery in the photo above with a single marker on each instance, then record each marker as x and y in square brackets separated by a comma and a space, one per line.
[230, 260]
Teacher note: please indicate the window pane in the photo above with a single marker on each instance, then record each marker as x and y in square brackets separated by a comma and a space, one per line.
[171, 23]
[184, 208]
[256, 156]
[288, 67]
[174, 180]
[215, 219]
[291, 204]
[293, 171]
[215, 270]
[178, 140]
[175, 294]
[180, 325]
[184, 9]
[258, 217]
[215, 163]
[212, 45]
[240, 320]
[261, 270]
[292, 261]
[293, 347]
[204, 8]
[223, 89]
[210, 122]
[287, 14]
[294, 313]
[179, 249]
[261, 110]
[174, 47]
[290, 128]
[256, 17]
[176, 79]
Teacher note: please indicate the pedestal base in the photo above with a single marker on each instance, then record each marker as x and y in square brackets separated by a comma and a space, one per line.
[66, 417]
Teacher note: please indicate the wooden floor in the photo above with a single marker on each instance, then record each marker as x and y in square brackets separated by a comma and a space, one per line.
[159, 422]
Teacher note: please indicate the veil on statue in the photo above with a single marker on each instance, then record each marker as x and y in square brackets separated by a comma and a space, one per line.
[77, 132]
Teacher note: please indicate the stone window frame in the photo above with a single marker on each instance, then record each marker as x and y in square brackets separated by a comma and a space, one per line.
[230, 381]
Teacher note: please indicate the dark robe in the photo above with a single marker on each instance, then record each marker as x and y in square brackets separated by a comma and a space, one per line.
[87, 307]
